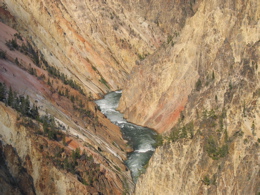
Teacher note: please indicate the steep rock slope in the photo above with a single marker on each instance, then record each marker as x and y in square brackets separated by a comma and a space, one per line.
[16, 181]
[214, 146]
[164, 81]
[95, 42]
[67, 145]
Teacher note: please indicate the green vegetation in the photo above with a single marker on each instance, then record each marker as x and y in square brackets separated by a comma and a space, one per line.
[78, 163]
[33, 54]
[230, 85]
[253, 128]
[2, 92]
[169, 38]
[181, 131]
[142, 57]
[28, 50]
[94, 68]
[198, 85]
[102, 80]
[50, 128]
[244, 109]
[18, 36]
[206, 180]
[54, 72]
[12, 44]
[213, 75]
[214, 151]
[2, 54]
[158, 140]
[19, 103]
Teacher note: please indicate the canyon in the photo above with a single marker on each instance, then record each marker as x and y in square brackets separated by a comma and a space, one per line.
[187, 69]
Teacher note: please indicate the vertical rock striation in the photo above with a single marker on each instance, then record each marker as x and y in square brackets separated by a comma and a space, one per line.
[214, 146]
[165, 80]
[95, 42]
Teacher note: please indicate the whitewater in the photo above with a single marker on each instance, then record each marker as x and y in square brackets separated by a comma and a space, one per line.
[141, 139]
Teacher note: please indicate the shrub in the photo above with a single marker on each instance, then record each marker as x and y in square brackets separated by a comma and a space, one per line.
[2, 54]
[206, 180]
[159, 140]
[214, 151]
[198, 85]
[12, 44]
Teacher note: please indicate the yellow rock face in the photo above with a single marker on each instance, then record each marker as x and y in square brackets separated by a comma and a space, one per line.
[159, 89]
[219, 46]
[96, 43]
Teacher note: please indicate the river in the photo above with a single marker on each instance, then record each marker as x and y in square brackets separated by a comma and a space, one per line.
[141, 139]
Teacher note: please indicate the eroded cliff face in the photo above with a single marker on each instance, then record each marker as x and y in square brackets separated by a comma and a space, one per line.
[70, 146]
[39, 165]
[95, 42]
[14, 178]
[214, 146]
[188, 69]
[163, 83]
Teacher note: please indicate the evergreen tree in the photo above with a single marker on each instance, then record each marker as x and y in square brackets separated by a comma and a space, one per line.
[49, 82]
[10, 97]
[45, 124]
[35, 112]
[15, 103]
[27, 106]
[2, 91]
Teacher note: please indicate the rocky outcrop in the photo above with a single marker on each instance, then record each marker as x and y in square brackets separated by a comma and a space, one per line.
[14, 178]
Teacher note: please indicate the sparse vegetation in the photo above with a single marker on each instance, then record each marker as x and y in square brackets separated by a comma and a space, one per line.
[198, 85]
[181, 131]
[54, 72]
[230, 85]
[50, 129]
[18, 36]
[102, 80]
[214, 151]
[206, 180]
[169, 38]
[2, 54]
[142, 56]
[159, 140]
[19, 103]
[12, 44]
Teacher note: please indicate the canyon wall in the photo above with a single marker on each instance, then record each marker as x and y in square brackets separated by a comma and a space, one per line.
[54, 140]
[164, 81]
[188, 69]
[94, 42]
[212, 74]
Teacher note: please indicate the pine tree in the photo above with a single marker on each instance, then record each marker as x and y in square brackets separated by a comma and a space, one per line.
[2, 91]
[15, 103]
[49, 82]
[27, 106]
[10, 97]
[35, 112]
